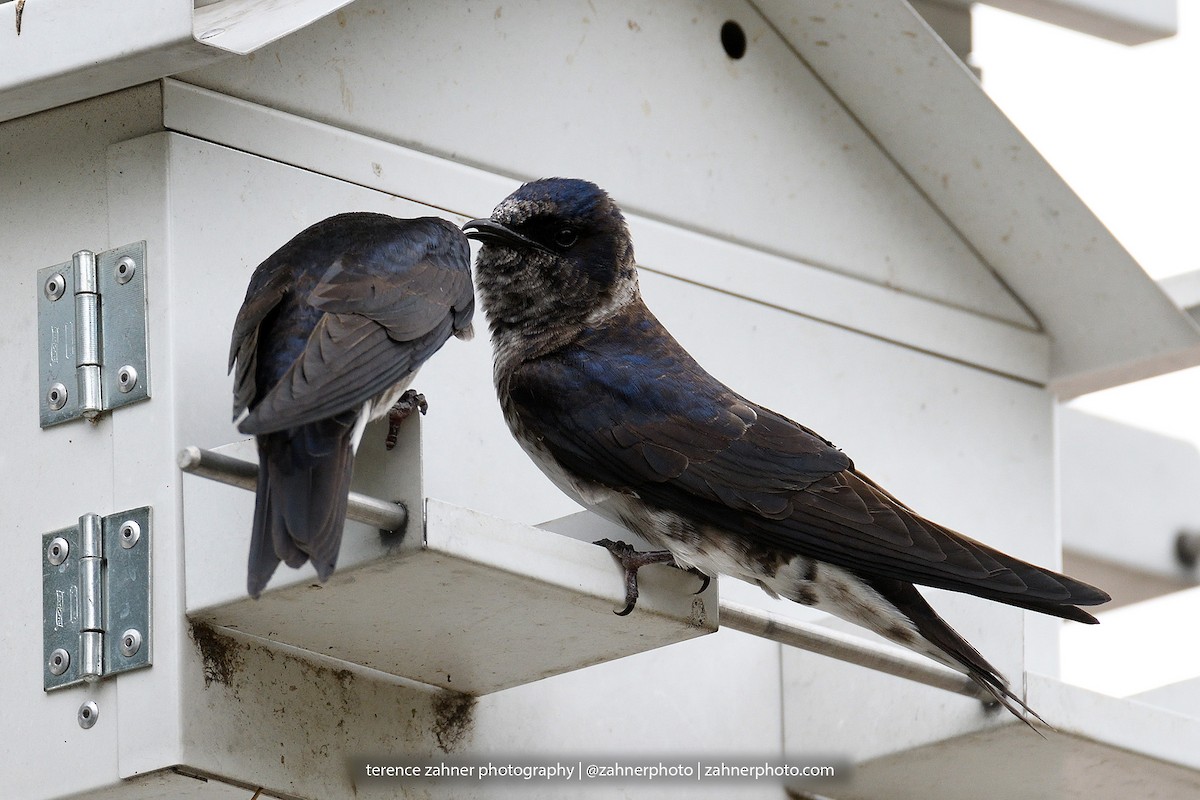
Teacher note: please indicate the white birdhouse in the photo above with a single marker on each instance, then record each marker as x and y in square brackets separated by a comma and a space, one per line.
[827, 212]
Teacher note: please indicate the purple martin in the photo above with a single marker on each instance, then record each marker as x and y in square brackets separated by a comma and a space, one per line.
[334, 326]
[619, 416]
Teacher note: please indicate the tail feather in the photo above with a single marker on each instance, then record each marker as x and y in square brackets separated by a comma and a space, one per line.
[300, 507]
[958, 651]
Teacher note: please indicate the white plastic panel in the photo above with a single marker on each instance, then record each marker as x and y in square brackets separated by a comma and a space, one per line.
[1127, 492]
[167, 783]
[1097, 753]
[65, 51]
[54, 198]
[1139, 649]
[546, 588]
[1108, 323]
[910, 419]
[243, 26]
[54, 52]
[479, 606]
[1118, 20]
[270, 716]
[645, 103]
[695, 257]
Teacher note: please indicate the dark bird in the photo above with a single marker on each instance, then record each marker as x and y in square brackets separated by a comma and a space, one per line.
[623, 419]
[334, 327]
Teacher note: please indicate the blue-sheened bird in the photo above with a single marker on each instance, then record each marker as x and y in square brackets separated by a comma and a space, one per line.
[618, 415]
[334, 326]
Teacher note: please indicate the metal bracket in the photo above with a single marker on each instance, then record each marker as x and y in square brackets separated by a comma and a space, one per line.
[96, 598]
[92, 334]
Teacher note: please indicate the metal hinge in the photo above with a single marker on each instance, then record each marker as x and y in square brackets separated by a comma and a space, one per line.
[96, 598]
[92, 334]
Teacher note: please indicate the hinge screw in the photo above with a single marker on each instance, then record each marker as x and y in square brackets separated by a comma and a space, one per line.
[126, 378]
[130, 533]
[59, 661]
[56, 398]
[56, 284]
[131, 642]
[89, 712]
[56, 553]
[125, 269]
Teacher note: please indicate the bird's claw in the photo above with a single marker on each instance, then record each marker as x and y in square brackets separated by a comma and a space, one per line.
[631, 561]
[409, 402]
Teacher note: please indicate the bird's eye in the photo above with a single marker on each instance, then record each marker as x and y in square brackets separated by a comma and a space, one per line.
[566, 237]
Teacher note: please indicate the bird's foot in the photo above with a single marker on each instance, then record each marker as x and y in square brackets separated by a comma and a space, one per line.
[632, 560]
[409, 402]
[705, 579]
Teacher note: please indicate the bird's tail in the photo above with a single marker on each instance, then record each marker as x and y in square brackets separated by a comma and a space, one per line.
[300, 509]
[952, 649]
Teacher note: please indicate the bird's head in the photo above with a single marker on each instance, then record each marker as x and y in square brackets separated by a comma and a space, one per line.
[555, 252]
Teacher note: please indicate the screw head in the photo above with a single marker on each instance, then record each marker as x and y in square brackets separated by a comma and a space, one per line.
[124, 270]
[130, 533]
[56, 397]
[56, 284]
[127, 378]
[57, 550]
[59, 661]
[89, 712]
[131, 642]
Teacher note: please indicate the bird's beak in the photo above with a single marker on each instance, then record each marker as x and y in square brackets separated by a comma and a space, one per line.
[488, 231]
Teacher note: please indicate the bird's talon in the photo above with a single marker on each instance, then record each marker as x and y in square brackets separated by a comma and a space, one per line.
[409, 402]
[631, 561]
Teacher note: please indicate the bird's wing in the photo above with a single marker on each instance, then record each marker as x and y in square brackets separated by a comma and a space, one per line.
[664, 427]
[644, 418]
[379, 325]
[267, 288]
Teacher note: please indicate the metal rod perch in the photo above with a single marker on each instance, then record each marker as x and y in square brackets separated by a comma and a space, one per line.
[849, 648]
[244, 474]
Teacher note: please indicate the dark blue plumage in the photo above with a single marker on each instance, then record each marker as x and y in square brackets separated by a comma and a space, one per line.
[334, 326]
[622, 418]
